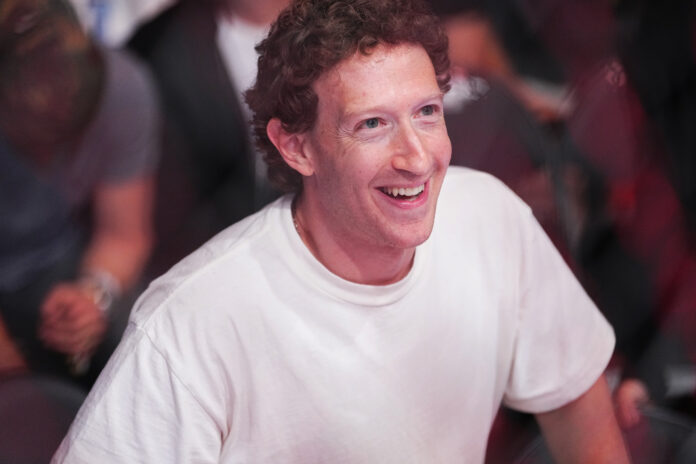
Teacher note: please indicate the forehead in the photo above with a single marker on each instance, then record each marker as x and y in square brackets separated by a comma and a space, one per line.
[389, 74]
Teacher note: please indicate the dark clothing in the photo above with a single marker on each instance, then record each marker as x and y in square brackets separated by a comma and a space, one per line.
[207, 178]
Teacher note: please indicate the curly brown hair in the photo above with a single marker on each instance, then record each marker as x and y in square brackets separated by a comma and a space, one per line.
[309, 38]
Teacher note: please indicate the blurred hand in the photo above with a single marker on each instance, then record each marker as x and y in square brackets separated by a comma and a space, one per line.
[629, 397]
[71, 322]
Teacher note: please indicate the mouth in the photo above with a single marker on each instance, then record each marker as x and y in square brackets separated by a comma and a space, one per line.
[404, 193]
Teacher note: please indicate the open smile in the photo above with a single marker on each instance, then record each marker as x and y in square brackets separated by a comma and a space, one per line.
[404, 193]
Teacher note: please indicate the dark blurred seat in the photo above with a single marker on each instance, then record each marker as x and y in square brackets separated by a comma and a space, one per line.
[36, 412]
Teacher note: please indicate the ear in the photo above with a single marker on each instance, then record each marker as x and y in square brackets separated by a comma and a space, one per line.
[291, 147]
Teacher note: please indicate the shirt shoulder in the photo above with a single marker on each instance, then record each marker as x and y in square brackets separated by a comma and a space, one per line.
[480, 202]
[216, 270]
[469, 185]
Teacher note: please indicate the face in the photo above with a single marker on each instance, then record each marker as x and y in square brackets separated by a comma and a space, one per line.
[379, 149]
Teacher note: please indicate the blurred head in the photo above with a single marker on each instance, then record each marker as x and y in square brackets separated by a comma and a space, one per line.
[308, 40]
[50, 73]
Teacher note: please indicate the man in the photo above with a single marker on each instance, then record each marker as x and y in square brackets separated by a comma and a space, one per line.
[350, 322]
[78, 126]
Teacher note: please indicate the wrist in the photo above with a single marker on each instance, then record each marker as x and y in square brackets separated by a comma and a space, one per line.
[101, 286]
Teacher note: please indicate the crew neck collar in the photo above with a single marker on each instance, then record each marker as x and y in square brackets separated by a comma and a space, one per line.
[310, 269]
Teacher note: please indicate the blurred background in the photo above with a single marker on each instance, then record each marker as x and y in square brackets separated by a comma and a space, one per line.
[125, 144]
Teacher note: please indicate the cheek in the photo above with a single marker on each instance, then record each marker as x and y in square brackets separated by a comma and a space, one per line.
[352, 163]
[441, 147]
[447, 153]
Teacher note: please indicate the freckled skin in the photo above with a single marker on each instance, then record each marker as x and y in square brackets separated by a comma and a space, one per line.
[380, 124]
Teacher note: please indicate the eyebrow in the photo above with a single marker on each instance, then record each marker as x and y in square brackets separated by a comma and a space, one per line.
[351, 115]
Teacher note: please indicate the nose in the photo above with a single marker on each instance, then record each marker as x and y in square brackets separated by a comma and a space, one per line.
[409, 153]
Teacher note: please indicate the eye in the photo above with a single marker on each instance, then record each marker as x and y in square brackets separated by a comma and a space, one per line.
[428, 110]
[372, 123]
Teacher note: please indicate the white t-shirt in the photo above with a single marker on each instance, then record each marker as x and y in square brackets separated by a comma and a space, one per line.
[250, 351]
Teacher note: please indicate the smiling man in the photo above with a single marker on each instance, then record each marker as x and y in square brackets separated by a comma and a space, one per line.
[372, 164]
[378, 313]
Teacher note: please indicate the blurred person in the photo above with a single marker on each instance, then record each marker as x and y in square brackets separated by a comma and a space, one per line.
[621, 133]
[657, 48]
[78, 127]
[202, 55]
[348, 321]
[489, 40]
[651, 302]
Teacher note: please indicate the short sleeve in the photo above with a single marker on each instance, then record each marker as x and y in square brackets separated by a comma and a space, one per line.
[139, 411]
[126, 130]
[563, 343]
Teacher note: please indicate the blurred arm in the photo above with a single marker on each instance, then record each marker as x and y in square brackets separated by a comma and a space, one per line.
[122, 234]
[72, 320]
[585, 430]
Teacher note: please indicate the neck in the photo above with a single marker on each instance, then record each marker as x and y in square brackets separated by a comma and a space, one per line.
[368, 264]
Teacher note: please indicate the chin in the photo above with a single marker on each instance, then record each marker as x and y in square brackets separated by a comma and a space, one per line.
[411, 237]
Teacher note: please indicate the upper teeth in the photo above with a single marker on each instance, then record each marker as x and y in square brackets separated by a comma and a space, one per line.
[408, 192]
